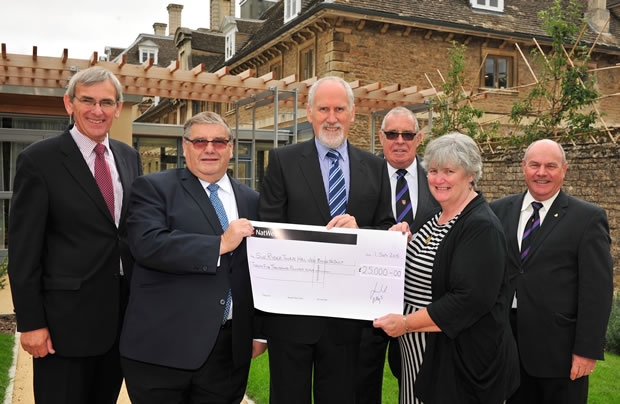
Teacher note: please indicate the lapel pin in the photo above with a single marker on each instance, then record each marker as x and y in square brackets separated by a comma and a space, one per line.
[428, 240]
[555, 215]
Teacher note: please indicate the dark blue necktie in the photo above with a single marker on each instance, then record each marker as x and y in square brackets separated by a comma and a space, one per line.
[337, 195]
[402, 199]
[533, 224]
[221, 214]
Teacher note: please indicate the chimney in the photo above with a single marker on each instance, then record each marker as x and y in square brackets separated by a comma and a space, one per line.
[174, 18]
[160, 28]
[219, 10]
[597, 14]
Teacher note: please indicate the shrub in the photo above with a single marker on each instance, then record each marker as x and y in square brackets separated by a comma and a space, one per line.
[612, 340]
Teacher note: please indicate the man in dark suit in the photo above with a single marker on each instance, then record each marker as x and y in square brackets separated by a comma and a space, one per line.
[559, 251]
[69, 258]
[324, 181]
[188, 331]
[411, 202]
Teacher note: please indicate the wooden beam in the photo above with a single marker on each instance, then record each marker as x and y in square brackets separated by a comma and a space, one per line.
[360, 25]
[122, 61]
[34, 53]
[64, 56]
[428, 34]
[173, 66]
[198, 69]
[267, 77]
[503, 44]
[290, 79]
[148, 63]
[3, 51]
[467, 40]
[450, 36]
[339, 21]
[407, 31]
[384, 28]
[371, 87]
[245, 75]
[93, 59]
[222, 72]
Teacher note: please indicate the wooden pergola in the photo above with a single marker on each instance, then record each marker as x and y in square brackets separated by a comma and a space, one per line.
[196, 84]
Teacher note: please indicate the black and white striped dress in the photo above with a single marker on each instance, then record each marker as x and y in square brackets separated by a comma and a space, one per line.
[418, 294]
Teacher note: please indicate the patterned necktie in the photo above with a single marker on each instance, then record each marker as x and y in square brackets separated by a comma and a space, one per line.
[104, 178]
[221, 215]
[402, 199]
[337, 195]
[533, 224]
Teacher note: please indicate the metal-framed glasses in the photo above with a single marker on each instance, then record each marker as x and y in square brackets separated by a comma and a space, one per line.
[106, 104]
[201, 144]
[393, 135]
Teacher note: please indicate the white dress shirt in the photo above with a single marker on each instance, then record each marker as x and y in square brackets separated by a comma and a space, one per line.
[412, 183]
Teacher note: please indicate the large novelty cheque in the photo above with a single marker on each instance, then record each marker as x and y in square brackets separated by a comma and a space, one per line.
[308, 270]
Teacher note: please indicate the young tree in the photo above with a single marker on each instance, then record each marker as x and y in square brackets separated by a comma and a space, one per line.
[558, 104]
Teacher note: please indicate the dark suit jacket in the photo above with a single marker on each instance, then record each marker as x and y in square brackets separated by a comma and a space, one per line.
[293, 192]
[65, 248]
[564, 286]
[178, 291]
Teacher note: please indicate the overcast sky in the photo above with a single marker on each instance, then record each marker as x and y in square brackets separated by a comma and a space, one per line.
[85, 26]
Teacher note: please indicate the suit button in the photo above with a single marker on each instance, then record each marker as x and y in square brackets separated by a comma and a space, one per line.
[521, 271]
[222, 302]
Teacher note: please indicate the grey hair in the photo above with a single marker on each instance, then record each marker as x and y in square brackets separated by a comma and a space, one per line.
[562, 152]
[337, 79]
[401, 111]
[455, 148]
[91, 76]
[206, 117]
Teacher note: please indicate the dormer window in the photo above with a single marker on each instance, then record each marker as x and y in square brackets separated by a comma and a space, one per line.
[489, 5]
[230, 44]
[292, 9]
[148, 50]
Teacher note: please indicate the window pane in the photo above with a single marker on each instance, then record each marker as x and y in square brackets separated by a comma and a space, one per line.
[493, 3]
[482, 2]
[157, 153]
[502, 73]
[489, 72]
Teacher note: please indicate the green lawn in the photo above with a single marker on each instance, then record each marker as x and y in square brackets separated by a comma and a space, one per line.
[604, 382]
[6, 359]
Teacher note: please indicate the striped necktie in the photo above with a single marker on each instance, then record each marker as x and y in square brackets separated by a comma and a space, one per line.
[221, 214]
[533, 224]
[337, 195]
[402, 199]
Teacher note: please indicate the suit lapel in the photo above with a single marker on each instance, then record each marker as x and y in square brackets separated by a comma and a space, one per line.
[192, 185]
[242, 208]
[357, 174]
[123, 172]
[556, 212]
[511, 226]
[311, 170]
[76, 166]
[424, 197]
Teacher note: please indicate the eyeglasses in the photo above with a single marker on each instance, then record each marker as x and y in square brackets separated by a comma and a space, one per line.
[106, 104]
[201, 144]
[393, 135]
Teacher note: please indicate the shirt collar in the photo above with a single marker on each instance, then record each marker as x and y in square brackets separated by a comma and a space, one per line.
[223, 183]
[322, 150]
[528, 199]
[86, 144]
[411, 170]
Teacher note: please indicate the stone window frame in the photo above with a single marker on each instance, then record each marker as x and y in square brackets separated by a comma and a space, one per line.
[276, 66]
[230, 44]
[487, 6]
[497, 53]
[301, 57]
[292, 8]
[150, 51]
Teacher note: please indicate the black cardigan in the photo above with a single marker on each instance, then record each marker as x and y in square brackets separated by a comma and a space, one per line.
[474, 359]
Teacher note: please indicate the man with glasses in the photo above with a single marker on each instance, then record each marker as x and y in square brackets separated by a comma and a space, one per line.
[69, 257]
[411, 203]
[325, 182]
[188, 331]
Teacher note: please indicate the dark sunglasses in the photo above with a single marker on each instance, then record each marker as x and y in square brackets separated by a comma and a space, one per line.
[393, 135]
[201, 144]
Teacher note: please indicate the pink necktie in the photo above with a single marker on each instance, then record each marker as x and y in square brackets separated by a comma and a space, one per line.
[104, 178]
